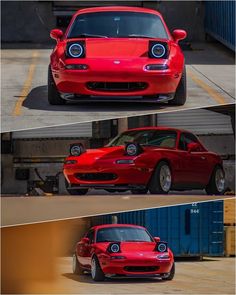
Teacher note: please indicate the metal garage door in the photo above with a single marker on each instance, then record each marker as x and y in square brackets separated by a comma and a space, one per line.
[198, 121]
[69, 7]
[67, 131]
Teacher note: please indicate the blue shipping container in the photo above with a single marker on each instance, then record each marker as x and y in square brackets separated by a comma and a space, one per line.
[220, 21]
[190, 230]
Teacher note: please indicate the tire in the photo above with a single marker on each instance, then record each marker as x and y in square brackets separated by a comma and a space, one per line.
[181, 91]
[157, 184]
[139, 191]
[74, 192]
[76, 267]
[96, 271]
[213, 188]
[54, 97]
[171, 274]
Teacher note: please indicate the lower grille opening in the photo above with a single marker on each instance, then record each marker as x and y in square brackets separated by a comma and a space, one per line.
[117, 86]
[96, 176]
[141, 268]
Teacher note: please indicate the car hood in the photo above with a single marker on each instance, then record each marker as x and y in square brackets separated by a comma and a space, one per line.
[130, 247]
[91, 156]
[116, 47]
[105, 153]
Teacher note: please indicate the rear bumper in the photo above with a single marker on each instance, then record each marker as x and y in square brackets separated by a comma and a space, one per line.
[75, 82]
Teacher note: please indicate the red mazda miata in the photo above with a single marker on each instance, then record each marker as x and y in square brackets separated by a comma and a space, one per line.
[117, 53]
[122, 250]
[154, 159]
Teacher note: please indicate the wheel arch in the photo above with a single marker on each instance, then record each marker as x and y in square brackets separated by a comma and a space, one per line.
[155, 166]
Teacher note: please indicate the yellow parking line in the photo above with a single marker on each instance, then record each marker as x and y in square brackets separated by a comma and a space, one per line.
[215, 95]
[27, 85]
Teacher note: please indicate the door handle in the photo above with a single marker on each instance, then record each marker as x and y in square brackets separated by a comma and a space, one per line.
[203, 158]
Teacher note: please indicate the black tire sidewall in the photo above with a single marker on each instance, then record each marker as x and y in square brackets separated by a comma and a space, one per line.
[99, 275]
[54, 97]
[171, 274]
[154, 184]
[211, 188]
[181, 91]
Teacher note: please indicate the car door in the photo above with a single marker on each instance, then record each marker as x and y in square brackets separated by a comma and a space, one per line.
[194, 165]
[84, 248]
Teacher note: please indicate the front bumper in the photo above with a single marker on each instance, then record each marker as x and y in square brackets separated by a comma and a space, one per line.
[74, 83]
[136, 267]
[127, 176]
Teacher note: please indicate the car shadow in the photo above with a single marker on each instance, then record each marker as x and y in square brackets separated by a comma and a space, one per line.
[86, 278]
[37, 99]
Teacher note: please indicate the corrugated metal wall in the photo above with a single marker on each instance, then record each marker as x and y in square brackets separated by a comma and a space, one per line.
[65, 131]
[220, 21]
[198, 121]
[190, 230]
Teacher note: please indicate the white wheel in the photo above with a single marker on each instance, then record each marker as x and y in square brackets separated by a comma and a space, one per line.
[165, 178]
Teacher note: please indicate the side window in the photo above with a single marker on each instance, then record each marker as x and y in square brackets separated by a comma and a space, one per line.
[182, 144]
[190, 138]
[185, 139]
[90, 235]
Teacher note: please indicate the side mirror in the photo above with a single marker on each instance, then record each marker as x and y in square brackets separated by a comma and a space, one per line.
[56, 34]
[85, 240]
[157, 239]
[179, 35]
[193, 147]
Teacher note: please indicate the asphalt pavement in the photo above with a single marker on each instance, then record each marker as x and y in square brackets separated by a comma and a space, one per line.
[210, 81]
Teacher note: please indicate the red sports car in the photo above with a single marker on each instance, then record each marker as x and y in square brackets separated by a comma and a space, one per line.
[122, 250]
[117, 53]
[157, 159]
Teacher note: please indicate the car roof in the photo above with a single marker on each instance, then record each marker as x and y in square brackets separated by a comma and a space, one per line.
[116, 225]
[158, 128]
[118, 8]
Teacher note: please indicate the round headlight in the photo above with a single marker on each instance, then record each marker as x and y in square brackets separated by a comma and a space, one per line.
[115, 248]
[162, 247]
[158, 50]
[75, 150]
[131, 149]
[75, 50]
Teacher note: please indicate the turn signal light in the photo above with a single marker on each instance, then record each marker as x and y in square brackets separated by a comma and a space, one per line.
[76, 67]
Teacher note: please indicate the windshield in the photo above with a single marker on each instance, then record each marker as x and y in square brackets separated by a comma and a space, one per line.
[123, 234]
[159, 138]
[117, 24]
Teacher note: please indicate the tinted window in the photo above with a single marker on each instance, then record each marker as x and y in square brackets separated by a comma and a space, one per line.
[90, 235]
[118, 24]
[160, 138]
[119, 234]
[185, 139]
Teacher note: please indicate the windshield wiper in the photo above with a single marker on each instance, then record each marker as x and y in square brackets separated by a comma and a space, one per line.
[108, 241]
[139, 36]
[91, 36]
[134, 241]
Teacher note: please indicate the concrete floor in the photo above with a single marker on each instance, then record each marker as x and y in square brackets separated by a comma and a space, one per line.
[210, 81]
[18, 210]
[210, 276]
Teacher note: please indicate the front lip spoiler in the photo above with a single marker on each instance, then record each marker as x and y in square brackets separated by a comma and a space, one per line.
[151, 275]
[160, 98]
[107, 186]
